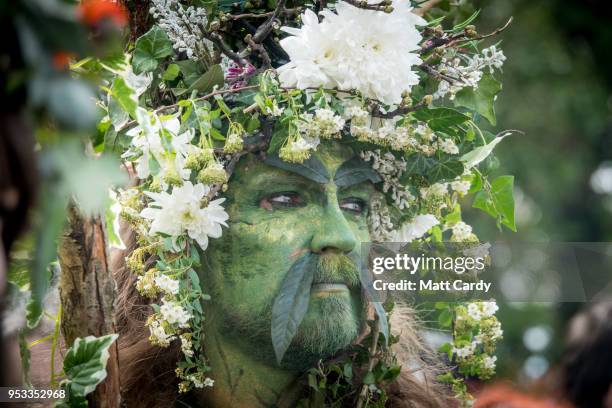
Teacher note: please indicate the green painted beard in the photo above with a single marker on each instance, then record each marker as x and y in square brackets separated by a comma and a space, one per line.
[334, 318]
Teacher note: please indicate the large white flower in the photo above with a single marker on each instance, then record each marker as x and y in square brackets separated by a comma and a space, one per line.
[181, 212]
[354, 48]
[408, 232]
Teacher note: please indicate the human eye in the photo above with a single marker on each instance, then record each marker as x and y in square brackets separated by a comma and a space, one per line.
[354, 205]
[281, 200]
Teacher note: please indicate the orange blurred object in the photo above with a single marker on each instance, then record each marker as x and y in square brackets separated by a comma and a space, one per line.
[92, 12]
[501, 396]
[61, 60]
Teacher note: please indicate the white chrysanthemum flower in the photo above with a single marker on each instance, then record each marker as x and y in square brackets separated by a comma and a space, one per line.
[415, 229]
[353, 48]
[167, 285]
[180, 212]
[173, 313]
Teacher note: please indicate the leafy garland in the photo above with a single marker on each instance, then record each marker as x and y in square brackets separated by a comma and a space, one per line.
[198, 92]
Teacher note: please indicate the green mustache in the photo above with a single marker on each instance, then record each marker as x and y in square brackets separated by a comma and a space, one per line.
[336, 268]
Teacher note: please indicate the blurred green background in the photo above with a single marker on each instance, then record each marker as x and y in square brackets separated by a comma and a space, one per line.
[558, 90]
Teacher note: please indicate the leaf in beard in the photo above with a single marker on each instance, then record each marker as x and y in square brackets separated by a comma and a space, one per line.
[291, 304]
[368, 287]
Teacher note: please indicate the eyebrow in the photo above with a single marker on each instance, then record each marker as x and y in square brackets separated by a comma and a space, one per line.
[312, 168]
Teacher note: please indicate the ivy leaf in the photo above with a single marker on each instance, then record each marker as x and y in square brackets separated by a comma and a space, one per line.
[212, 77]
[125, 97]
[355, 171]
[444, 170]
[482, 98]
[150, 48]
[416, 164]
[474, 157]
[499, 201]
[85, 364]
[191, 70]
[312, 168]
[291, 304]
[171, 72]
[441, 119]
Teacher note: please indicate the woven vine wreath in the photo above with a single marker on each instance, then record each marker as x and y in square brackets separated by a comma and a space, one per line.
[212, 82]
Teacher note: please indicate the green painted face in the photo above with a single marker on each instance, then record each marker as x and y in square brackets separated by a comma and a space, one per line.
[277, 216]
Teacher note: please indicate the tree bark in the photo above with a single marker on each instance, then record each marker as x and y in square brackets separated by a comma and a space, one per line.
[87, 291]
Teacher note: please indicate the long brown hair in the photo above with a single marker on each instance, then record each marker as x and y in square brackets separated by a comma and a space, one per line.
[147, 371]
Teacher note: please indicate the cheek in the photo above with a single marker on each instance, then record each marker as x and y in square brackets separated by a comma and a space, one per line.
[251, 259]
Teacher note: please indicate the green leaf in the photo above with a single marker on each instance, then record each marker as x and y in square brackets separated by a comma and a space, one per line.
[445, 319]
[125, 96]
[382, 320]
[417, 164]
[482, 98]
[355, 171]
[150, 48]
[312, 168]
[85, 363]
[24, 353]
[499, 202]
[191, 70]
[212, 77]
[171, 72]
[444, 170]
[474, 157]
[441, 119]
[291, 303]
[369, 378]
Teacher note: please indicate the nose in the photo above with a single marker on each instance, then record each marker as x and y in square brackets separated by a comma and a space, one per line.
[334, 232]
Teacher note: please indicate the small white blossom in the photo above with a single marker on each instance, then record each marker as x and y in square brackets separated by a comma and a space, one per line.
[415, 229]
[448, 146]
[461, 232]
[173, 313]
[474, 311]
[186, 346]
[436, 190]
[209, 382]
[489, 362]
[158, 335]
[489, 308]
[167, 285]
[460, 186]
[464, 352]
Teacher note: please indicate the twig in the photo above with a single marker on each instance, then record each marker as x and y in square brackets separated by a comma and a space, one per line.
[373, 349]
[266, 28]
[267, 63]
[402, 110]
[364, 5]
[285, 12]
[436, 74]
[219, 42]
[202, 98]
[491, 34]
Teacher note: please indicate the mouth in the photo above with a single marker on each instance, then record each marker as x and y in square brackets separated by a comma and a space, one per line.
[326, 289]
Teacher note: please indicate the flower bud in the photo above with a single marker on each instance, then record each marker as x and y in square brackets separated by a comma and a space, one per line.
[470, 31]
[214, 173]
[428, 99]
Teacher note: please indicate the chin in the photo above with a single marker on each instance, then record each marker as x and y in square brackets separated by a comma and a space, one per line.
[331, 324]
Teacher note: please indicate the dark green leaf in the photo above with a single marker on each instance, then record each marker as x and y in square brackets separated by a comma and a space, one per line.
[355, 171]
[191, 70]
[85, 363]
[482, 98]
[444, 170]
[212, 77]
[312, 168]
[499, 202]
[369, 378]
[150, 48]
[441, 119]
[291, 303]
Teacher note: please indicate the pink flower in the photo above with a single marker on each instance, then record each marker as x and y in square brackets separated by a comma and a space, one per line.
[236, 75]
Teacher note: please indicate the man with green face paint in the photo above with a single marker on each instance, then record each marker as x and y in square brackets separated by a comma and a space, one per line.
[285, 219]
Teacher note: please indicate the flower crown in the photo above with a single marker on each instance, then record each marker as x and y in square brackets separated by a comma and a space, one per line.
[207, 85]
